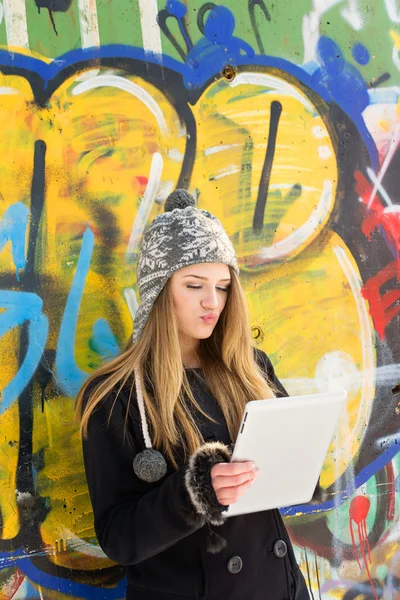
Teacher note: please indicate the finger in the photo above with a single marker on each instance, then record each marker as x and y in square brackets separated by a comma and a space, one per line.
[230, 469]
[228, 482]
[231, 495]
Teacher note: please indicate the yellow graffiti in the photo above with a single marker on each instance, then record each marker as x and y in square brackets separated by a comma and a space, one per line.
[233, 128]
[110, 139]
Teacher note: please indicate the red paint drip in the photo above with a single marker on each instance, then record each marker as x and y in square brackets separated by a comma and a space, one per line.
[379, 217]
[359, 509]
[383, 306]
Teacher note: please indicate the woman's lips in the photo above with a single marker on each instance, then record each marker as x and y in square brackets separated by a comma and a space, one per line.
[209, 319]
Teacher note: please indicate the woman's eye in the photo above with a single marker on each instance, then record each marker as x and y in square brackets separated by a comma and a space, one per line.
[194, 287]
[223, 289]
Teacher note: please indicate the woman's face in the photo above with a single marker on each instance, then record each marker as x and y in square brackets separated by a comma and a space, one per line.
[199, 294]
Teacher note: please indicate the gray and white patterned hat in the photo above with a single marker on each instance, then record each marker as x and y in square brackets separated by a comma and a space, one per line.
[183, 235]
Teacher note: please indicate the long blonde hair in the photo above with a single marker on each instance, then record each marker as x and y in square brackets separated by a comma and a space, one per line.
[229, 371]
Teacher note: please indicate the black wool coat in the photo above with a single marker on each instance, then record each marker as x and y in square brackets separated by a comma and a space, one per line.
[152, 530]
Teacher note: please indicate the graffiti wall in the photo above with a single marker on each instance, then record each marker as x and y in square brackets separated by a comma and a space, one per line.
[284, 120]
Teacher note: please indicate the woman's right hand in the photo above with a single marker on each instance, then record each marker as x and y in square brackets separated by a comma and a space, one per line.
[231, 480]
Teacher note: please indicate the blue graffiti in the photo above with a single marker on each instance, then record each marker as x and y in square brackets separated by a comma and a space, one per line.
[103, 340]
[59, 584]
[21, 307]
[339, 81]
[178, 10]
[360, 54]
[69, 376]
[218, 47]
[13, 229]
[367, 473]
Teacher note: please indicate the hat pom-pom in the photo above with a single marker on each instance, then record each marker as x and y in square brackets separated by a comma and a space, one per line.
[149, 465]
[179, 199]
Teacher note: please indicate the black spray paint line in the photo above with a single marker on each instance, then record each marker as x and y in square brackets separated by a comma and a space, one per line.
[54, 5]
[28, 280]
[379, 80]
[258, 220]
[32, 509]
[294, 193]
[53, 22]
[308, 575]
[252, 11]
[162, 19]
[201, 14]
[37, 203]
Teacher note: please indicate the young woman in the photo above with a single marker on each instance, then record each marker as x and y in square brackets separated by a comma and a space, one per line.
[158, 421]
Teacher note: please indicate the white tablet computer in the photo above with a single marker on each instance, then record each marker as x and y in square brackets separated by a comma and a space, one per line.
[288, 439]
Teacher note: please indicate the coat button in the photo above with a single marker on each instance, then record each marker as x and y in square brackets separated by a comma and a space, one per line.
[235, 564]
[280, 549]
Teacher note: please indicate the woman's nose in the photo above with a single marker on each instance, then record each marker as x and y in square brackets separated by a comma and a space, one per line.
[210, 301]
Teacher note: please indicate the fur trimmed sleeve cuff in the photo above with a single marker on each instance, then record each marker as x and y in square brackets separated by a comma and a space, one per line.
[198, 481]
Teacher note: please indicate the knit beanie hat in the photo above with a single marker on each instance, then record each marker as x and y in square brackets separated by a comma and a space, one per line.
[183, 235]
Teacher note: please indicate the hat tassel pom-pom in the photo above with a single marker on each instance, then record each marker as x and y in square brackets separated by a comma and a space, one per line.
[148, 465]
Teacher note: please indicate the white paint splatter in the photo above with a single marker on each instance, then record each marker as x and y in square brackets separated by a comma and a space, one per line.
[151, 34]
[337, 371]
[389, 374]
[396, 57]
[381, 119]
[319, 132]
[225, 172]
[220, 148]
[89, 24]
[383, 375]
[127, 86]
[175, 154]
[311, 27]
[131, 301]
[393, 11]
[352, 14]
[145, 207]
[389, 440]
[16, 24]
[378, 180]
[393, 209]
[23, 497]
[7, 91]
[289, 244]
[88, 75]
[366, 343]
[379, 187]
[262, 79]
[324, 152]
